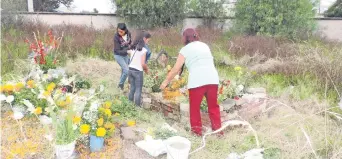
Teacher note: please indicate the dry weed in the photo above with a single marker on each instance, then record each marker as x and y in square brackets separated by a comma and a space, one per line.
[97, 71]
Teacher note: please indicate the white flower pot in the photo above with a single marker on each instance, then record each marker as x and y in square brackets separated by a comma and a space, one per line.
[65, 151]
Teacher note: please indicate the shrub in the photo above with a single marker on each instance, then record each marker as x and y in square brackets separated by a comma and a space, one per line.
[151, 13]
[291, 18]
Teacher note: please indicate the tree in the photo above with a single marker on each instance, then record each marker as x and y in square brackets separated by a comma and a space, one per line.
[151, 13]
[209, 10]
[335, 10]
[95, 10]
[49, 5]
[275, 17]
[14, 5]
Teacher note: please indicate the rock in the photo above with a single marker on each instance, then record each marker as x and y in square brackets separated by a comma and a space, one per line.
[252, 110]
[228, 104]
[230, 116]
[240, 101]
[223, 114]
[256, 90]
[184, 120]
[221, 108]
[163, 60]
[147, 103]
[147, 90]
[129, 133]
[250, 98]
[171, 116]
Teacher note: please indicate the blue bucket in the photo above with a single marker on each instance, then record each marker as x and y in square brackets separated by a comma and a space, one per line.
[96, 143]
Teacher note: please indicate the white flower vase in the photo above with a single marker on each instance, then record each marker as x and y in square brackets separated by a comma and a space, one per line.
[65, 151]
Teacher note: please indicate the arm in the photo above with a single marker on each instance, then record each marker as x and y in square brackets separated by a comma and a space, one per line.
[174, 71]
[117, 47]
[143, 64]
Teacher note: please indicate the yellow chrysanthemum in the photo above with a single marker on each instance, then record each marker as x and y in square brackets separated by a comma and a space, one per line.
[1, 89]
[101, 109]
[38, 110]
[18, 86]
[76, 119]
[108, 112]
[107, 104]
[101, 132]
[61, 103]
[67, 100]
[130, 123]
[84, 128]
[237, 68]
[46, 93]
[169, 67]
[51, 87]
[30, 84]
[109, 125]
[8, 88]
[100, 122]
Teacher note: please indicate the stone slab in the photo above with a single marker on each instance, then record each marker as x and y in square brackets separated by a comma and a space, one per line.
[256, 90]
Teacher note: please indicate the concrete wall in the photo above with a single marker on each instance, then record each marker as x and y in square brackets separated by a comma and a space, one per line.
[330, 27]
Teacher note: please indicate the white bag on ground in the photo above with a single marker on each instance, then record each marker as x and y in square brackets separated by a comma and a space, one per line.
[152, 147]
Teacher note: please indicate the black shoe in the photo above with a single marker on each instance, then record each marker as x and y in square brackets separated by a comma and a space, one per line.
[121, 86]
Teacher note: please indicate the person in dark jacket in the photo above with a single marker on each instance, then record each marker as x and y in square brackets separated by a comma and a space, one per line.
[122, 42]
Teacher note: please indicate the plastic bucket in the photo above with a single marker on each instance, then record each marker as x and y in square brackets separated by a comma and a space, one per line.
[96, 143]
[65, 151]
[178, 148]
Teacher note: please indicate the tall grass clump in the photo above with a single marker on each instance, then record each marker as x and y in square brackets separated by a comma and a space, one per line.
[315, 59]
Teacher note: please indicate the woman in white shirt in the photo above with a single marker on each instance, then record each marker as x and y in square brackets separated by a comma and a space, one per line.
[203, 79]
[137, 66]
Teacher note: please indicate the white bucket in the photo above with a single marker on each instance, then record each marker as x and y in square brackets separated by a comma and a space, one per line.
[65, 151]
[178, 147]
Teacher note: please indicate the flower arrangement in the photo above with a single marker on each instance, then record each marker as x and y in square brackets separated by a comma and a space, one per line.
[66, 127]
[154, 80]
[172, 92]
[232, 89]
[43, 48]
[45, 95]
[98, 120]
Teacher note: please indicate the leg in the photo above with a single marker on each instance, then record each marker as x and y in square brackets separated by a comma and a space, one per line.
[213, 107]
[196, 96]
[123, 62]
[139, 84]
[132, 86]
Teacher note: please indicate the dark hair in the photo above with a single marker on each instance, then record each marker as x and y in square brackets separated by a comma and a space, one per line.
[122, 26]
[190, 35]
[139, 42]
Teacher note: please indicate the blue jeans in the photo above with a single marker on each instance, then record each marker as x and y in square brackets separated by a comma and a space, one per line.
[123, 62]
[136, 80]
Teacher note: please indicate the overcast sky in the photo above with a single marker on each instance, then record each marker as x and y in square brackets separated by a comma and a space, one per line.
[105, 6]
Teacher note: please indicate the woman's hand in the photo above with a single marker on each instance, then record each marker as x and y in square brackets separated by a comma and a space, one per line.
[146, 70]
[164, 85]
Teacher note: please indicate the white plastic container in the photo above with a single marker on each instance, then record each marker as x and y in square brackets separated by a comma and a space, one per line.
[65, 151]
[178, 147]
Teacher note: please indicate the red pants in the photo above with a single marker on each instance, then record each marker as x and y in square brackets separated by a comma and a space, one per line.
[196, 96]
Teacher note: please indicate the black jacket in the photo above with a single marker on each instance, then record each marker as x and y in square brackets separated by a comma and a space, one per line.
[120, 46]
